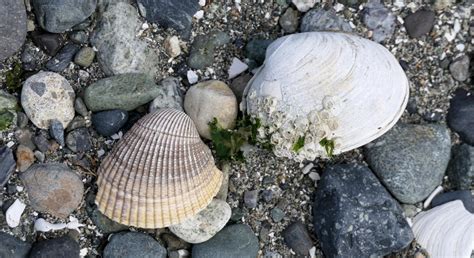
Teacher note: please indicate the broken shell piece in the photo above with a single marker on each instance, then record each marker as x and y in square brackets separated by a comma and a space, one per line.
[237, 67]
[351, 91]
[14, 212]
[43, 226]
[446, 230]
[159, 174]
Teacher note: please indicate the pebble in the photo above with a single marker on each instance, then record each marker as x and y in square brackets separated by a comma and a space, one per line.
[56, 131]
[238, 85]
[63, 246]
[419, 23]
[461, 167]
[79, 140]
[465, 196]
[80, 107]
[380, 20]
[77, 122]
[46, 96]
[192, 77]
[304, 5]
[39, 156]
[59, 16]
[170, 14]
[22, 119]
[204, 225]
[172, 47]
[41, 143]
[63, 58]
[7, 165]
[411, 160]
[50, 43]
[200, 104]
[53, 188]
[289, 20]
[13, 247]
[256, 49]
[119, 50]
[203, 48]
[322, 20]
[24, 137]
[109, 122]
[237, 67]
[296, 236]
[13, 29]
[277, 214]
[85, 57]
[14, 212]
[234, 241]
[250, 199]
[459, 68]
[169, 97]
[79, 37]
[124, 91]
[24, 158]
[267, 195]
[354, 216]
[105, 224]
[133, 244]
[461, 115]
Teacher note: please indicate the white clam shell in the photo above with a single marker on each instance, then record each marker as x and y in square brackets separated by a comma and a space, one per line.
[330, 85]
[446, 230]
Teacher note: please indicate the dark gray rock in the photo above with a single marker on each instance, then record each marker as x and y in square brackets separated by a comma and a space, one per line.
[267, 195]
[465, 196]
[203, 48]
[419, 23]
[323, 20]
[380, 20]
[289, 20]
[56, 131]
[256, 49]
[461, 115]
[237, 214]
[251, 198]
[238, 85]
[80, 107]
[234, 241]
[105, 224]
[12, 247]
[64, 57]
[297, 238]
[109, 122]
[461, 167]
[64, 247]
[24, 136]
[132, 245]
[13, 29]
[41, 143]
[7, 164]
[79, 140]
[433, 116]
[57, 16]
[354, 216]
[277, 214]
[21, 119]
[459, 68]
[50, 43]
[170, 14]
[79, 37]
[411, 160]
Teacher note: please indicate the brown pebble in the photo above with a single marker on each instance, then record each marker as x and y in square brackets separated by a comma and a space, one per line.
[24, 158]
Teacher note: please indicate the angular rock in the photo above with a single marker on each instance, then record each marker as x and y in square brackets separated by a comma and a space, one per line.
[297, 238]
[380, 20]
[85, 57]
[46, 96]
[125, 91]
[465, 196]
[411, 160]
[172, 46]
[289, 20]
[304, 5]
[321, 20]
[13, 247]
[24, 158]
[170, 14]
[133, 244]
[63, 246]
[50, 43]
[354, 216]
[459, 68]
[169, 97]
[63, 58]
[79, 140]
[7, 165]
[203, 48]
[234, 241]
[200, 104]
[22, 120]
[109, 122]
[461, 167]
[461, 115]
[57, 16]
[237, 67]
[53, 188]
[77, 122]
[56, 131]
[13, 29]
[419, 23]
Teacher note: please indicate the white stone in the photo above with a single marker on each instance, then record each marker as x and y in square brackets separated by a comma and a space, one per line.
[199, 14]
[237, 67]
[13, 214]
[192, 77]
[172, 46]
[42, 225]
[205, 224]
[202, 2]
[304, 5]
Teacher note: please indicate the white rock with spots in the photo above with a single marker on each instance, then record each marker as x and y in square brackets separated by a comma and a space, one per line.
[46, 96]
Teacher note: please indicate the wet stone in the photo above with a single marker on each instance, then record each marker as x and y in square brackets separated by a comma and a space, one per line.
[79, 140]
[297, 238]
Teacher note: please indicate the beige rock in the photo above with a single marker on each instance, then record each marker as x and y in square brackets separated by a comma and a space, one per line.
[208, 100]
[172, 46]
[24, 158]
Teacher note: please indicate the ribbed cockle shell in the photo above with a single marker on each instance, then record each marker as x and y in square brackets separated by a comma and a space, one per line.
[159, 174]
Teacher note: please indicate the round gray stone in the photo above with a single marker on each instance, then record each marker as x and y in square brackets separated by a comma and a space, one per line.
[13, 247]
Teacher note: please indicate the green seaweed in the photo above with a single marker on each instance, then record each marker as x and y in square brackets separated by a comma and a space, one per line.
[328, 145]
[6, 120]
[13, 78]
[299, 144]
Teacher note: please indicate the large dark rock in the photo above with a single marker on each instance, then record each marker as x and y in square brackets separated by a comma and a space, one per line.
[63, 58]
[132, 245]
[461, 167]
[64, 247]
[109, 122]
[50, 43]
[12, 247]
[419, 23]
[297, 238]
[465, 196]
[12, 27]
[354, 216]
[7, 164]
[461, 115]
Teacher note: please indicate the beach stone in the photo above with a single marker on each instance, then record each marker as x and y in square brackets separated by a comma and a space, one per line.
[124, 91]
[119, 50]
[46, 96]
[461, 115]
[461, 167]
[63, 246]
[304, 5]
[173, 242]
[200, 104]
[85, 57]
[53, 188]
[80, 107]
[411, 160]
[172, 46]
[79, 37]
[57, 16]
[24, 137]
[56, 131]
[13, 29]
[203, 48]
[79, 140]
[380, 20]
[63, 58]
[205, 224]
[465, 196]
[234, 241]
[105, 224]
[170, 95]
[277, 214]
[77, 122]
[355, 216]
[296, 237]
[12, 247]
[133, 244]
[50, 43]
[459, 68]
[419, 23]
[22, 120]
[170, 14]
[251, 198]
[24, 157]
[41, 142]
[238, 85]
[289, 20]
[109, 122]
[7, 164]
[256, 49]
[322, 20]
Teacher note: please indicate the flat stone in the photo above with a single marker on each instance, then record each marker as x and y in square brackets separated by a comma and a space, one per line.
[322, 20]
[53, 188]
[354, 216]
[109, 122]
[203, 48]
[296, 236]
[13, 247]
[63, 246]
[459, 68]
[380, 20]
[132, 245]
[79, 140]
[461, 115]
[85, 57]
[41, 142]
[419, 23]
[7, 164]
[461, 167]
[80, 107]
[465, 196]
[250, 199]
[63, 58]
[50, 43]
[13, 29]
[24, 157]
[170, 95]
[56, 131]
[411, 160]
[277, 214]
[289, 20]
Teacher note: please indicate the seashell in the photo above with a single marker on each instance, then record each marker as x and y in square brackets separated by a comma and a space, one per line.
[14, 212]
[351, 90]
[159, 174]
[41, 225]
[446, 230]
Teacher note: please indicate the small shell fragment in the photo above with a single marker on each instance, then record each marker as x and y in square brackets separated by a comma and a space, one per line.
[13, 214]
